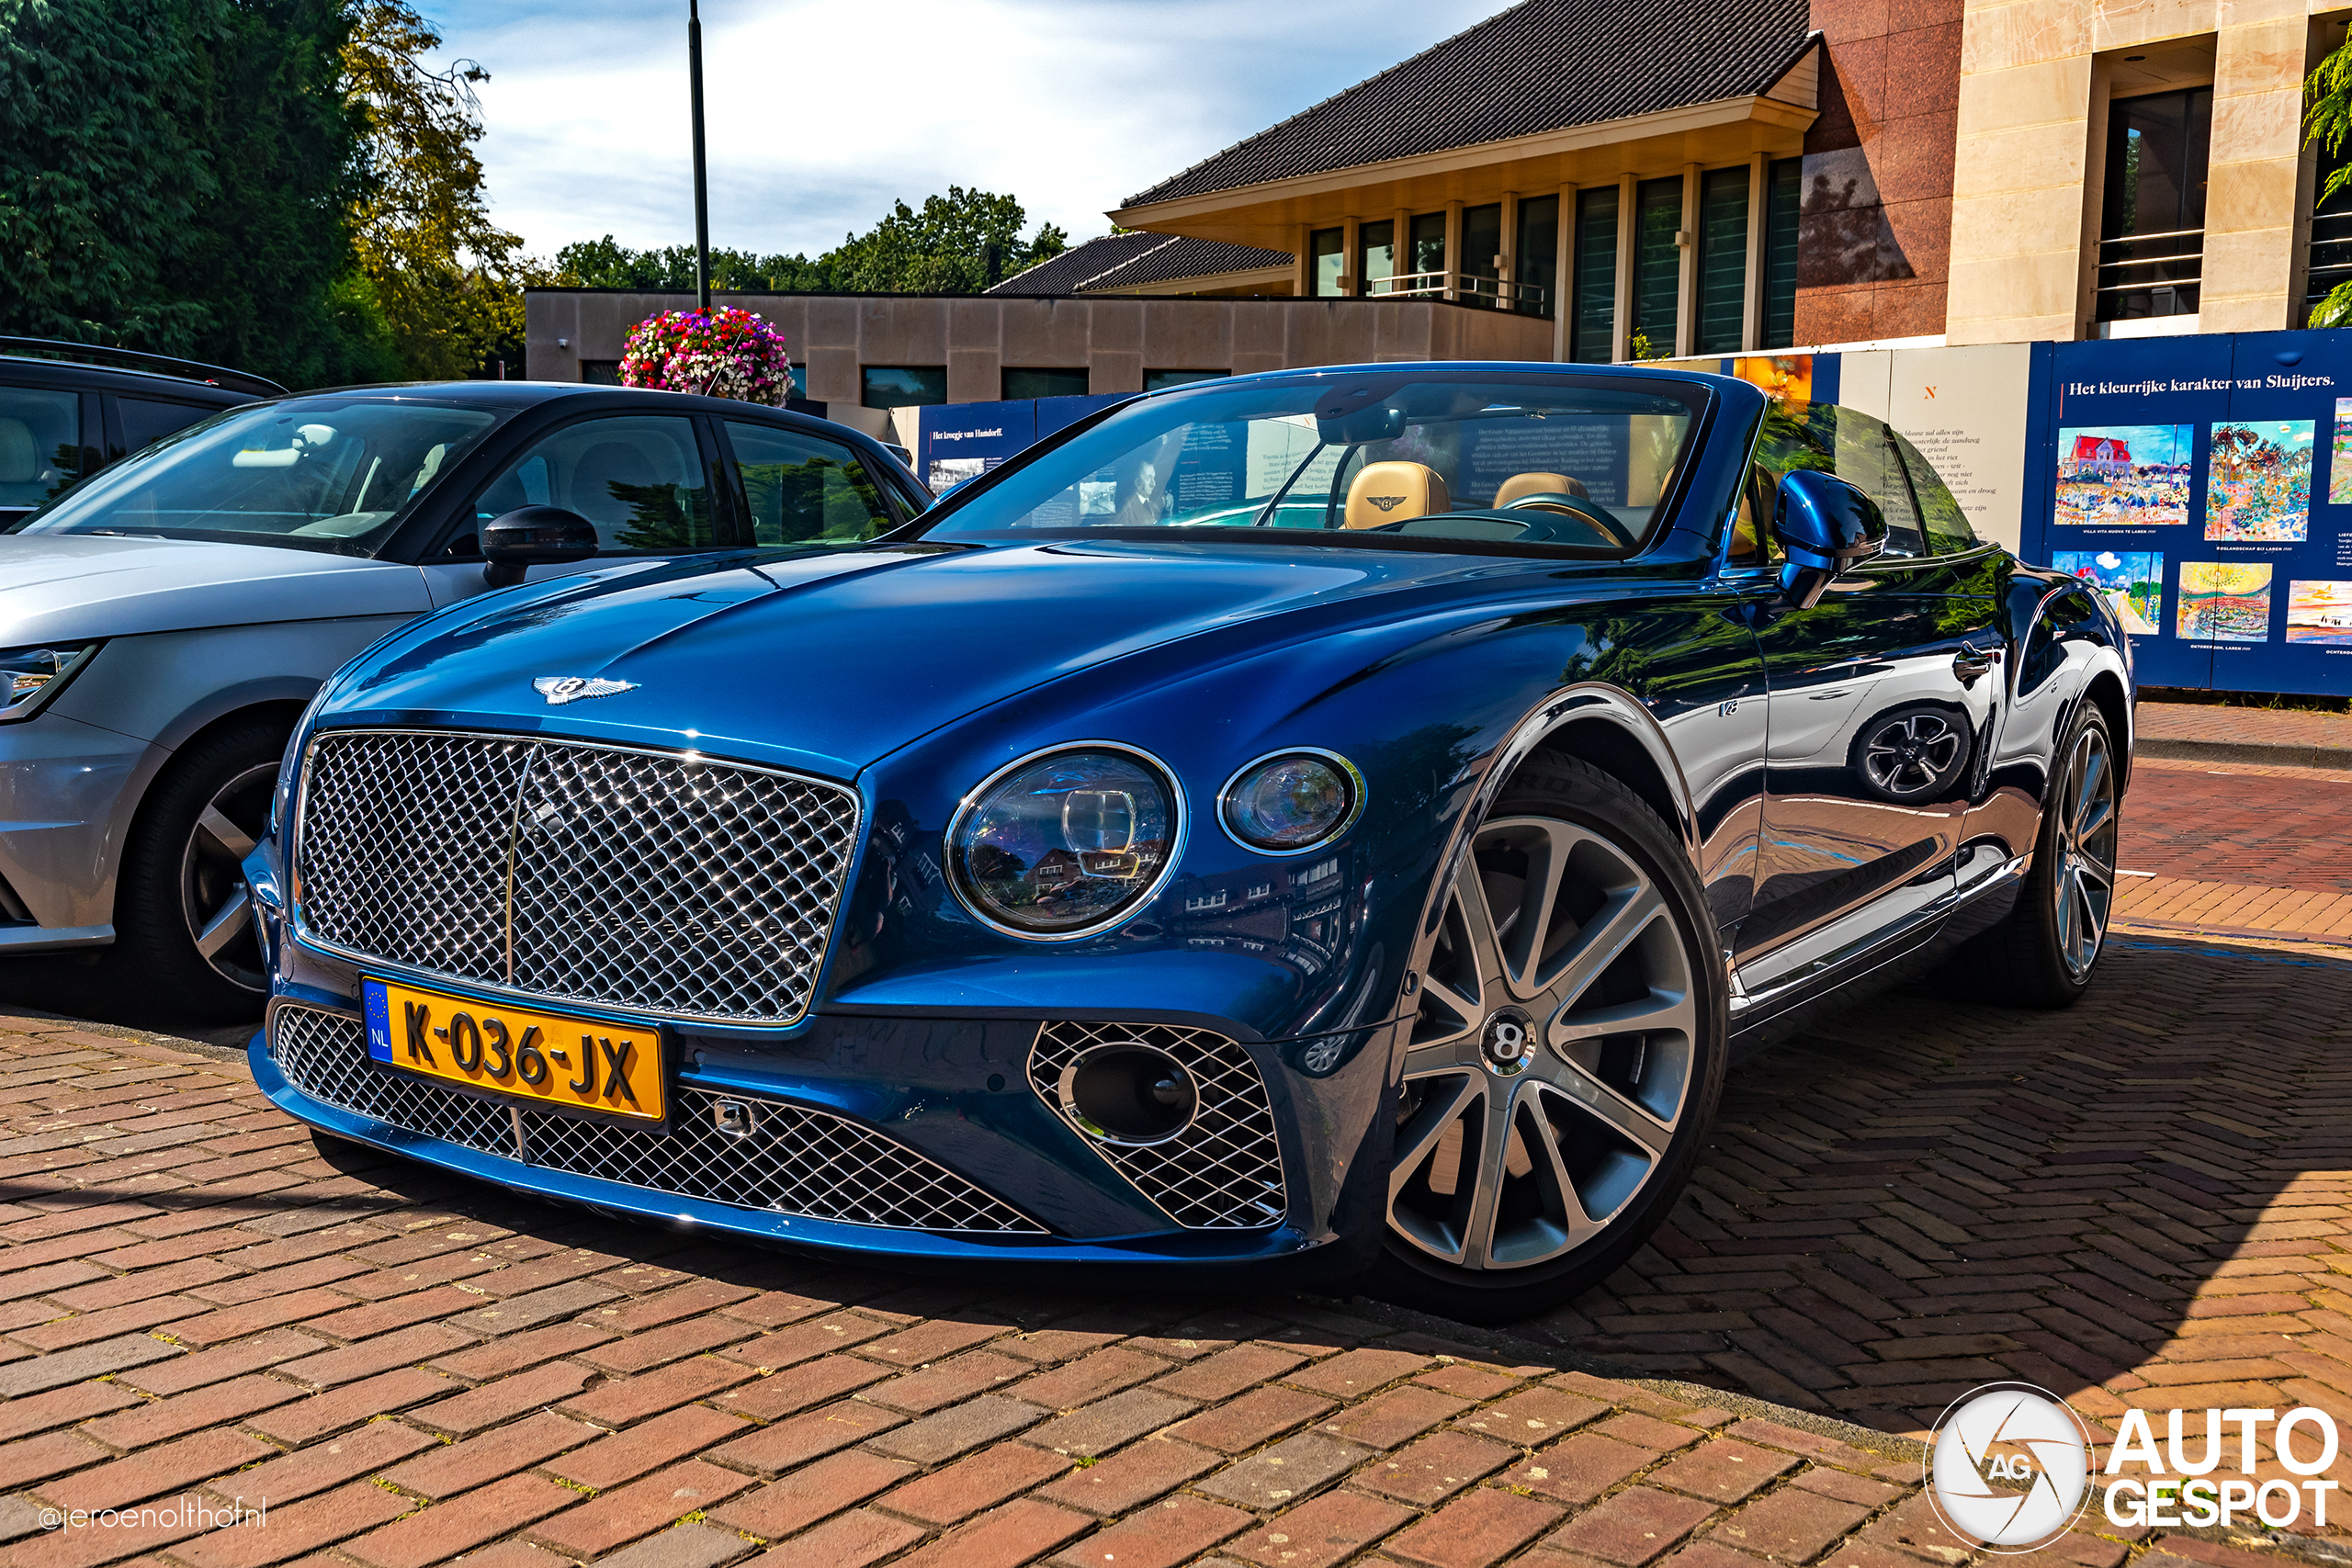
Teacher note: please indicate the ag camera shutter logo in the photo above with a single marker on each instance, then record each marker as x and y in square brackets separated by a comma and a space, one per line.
[2010, 1467]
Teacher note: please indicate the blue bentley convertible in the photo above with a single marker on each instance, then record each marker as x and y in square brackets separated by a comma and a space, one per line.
[1301, 827]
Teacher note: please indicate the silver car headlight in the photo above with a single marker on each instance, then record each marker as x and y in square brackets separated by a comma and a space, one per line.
[1291, 802]
[1066, 842]
[31, 676]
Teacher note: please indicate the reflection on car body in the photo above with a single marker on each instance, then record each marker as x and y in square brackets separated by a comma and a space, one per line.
[1288, 826]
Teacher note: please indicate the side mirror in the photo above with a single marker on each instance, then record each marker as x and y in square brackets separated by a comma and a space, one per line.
[1824, 526]
[533, 535]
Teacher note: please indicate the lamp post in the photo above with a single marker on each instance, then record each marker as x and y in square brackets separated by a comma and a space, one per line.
[702, 192]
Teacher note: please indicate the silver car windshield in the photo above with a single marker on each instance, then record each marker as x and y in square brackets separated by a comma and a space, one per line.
[1552, 460]
[335, 474]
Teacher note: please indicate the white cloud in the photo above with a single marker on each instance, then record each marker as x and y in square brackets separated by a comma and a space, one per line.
[820, 114]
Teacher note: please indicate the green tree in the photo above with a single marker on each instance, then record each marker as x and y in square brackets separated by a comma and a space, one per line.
[958, 243]
[2327, 117]
[176, 175]
[445, 279]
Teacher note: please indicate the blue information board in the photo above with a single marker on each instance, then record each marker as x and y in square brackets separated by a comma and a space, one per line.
[2205, 484]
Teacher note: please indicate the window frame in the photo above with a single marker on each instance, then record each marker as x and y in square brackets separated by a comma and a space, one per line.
[897, 506]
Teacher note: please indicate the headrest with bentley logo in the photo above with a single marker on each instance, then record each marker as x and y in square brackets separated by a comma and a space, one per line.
[1394, 493]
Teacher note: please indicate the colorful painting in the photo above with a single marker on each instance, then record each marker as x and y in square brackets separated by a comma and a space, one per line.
[2224, 601]
[1786, 378]
[2339, 468]
[2132, 584]
[2124, 476]
[2319, 612]
[2259, 486]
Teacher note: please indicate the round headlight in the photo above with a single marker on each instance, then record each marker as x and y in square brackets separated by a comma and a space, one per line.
[1062, 845]
[1291, 801]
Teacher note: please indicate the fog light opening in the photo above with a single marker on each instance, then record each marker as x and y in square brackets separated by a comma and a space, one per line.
[1128, 1093]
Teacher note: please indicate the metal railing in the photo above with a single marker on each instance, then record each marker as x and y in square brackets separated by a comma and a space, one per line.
[2151, 274]
[1464, 288]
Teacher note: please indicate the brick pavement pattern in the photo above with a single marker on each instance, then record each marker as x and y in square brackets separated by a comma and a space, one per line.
[2237, 850]
[197, 1301]
[2218, 724]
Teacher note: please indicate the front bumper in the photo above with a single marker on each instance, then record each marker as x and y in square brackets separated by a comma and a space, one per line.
[964, 1164]
[66, 789]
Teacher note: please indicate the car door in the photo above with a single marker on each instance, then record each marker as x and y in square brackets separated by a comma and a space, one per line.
[651, 483]
[1881, 713]
[796, 486]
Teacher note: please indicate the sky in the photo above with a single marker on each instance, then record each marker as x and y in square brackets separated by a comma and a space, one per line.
[820, 113]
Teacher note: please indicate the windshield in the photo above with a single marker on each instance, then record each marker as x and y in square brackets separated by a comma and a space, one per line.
[335, 474]
[1549, 459]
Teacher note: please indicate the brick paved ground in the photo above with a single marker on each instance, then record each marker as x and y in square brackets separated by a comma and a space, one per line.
[194, 1301]
[2267, 734]
[2139, 1201]
[2217, 849]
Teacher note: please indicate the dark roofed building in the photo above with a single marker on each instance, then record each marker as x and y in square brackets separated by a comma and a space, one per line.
[1644, 178]
[1156, 263]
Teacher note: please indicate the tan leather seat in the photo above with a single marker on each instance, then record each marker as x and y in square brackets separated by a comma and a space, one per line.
[1520, 485]
[1391, 492]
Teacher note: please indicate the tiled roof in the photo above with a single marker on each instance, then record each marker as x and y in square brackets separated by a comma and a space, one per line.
[1542, 65]
[1118, 260]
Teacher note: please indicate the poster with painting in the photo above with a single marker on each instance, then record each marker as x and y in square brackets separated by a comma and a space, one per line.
[2132, 582]
[2224, 601]
[2124, 476]
[2320, 611]
[2258, 484]
[2339, 468]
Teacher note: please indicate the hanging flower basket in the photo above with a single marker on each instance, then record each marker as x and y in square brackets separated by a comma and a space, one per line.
[726, 352]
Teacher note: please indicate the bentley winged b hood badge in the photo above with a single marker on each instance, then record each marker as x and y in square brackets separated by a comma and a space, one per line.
[561, 689]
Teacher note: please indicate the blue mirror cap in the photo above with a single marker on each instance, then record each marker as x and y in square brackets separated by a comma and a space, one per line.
[1825, 521]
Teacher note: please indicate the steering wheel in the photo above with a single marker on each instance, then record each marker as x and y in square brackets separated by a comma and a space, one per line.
[1563, 504]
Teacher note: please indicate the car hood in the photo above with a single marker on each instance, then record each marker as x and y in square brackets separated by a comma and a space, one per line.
[827, 663]
[65, 586]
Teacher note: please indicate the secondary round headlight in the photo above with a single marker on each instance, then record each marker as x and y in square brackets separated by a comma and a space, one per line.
[1061, 845]
[1291, 801]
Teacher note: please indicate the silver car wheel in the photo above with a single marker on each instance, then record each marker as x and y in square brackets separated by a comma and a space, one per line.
[1908, 756]
[2084, 881]
[214, 900]
[1552, 1053]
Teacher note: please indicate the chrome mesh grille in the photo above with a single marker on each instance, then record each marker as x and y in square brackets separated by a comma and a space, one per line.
[680, 886]
[1225, 1170]
[796, 1161]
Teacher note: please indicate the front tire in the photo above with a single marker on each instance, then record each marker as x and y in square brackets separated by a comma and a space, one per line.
[1566, 1056]
[184, 937]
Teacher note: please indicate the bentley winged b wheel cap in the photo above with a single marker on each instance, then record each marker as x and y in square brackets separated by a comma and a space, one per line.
[561, 689]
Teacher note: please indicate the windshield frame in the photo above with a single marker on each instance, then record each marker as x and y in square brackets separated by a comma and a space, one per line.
[1693, 389]
[378, 542]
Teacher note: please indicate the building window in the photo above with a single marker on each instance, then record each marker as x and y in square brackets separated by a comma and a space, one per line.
[1482, 244]
[601, 372]
[1427, 262]
[1376, 256]
[1160, 380]
[2331, 258]
[1723, 260]
[1592, 325]
[1045, 384]
[901, 386]
[1658, 265]
[1535, 263]
[799, 381]
[2152, 218]
[1784, 192]
[1326, 250]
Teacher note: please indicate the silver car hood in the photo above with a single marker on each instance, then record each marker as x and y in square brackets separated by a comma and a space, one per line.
[60, 586]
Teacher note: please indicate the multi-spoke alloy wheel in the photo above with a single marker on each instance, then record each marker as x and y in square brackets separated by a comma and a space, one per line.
[184, 933]
[1563, 1053]
[2082, 884]
[1912, 753]
[214, 903]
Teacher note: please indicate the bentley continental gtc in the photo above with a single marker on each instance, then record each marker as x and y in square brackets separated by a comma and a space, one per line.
[1328, 825]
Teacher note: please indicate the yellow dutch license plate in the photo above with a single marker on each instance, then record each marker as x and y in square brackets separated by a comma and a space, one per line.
[550, 1061]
